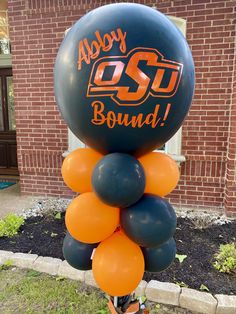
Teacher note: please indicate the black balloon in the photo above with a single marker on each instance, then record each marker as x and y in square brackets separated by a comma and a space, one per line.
[78, 254]
[159, 258]
[119, 180]
[150, 222]
[124, 79]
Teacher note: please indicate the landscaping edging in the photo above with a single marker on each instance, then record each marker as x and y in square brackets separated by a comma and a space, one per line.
[161, 292]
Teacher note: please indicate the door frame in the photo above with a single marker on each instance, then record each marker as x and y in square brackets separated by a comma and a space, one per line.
[5, 64]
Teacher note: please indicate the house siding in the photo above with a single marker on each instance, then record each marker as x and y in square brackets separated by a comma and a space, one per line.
[209, 132]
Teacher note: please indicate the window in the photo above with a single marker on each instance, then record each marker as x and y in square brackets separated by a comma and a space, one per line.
[4, 29]
[5, 47]
[173, 146]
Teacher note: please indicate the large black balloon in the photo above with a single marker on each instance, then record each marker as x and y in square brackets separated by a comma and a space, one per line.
[78, 254]
[119, 180]
[124, 79]
[159, 258]
[150, 222]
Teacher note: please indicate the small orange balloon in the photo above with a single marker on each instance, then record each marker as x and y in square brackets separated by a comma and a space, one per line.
[89, 220]
[118, 265]
[162, 173]
[77, 169]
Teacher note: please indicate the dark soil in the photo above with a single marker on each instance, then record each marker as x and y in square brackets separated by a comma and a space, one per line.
[44, 236]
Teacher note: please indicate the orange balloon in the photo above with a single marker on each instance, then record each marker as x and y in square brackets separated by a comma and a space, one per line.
[77, 169]
[162, 173]
[118, 265]
[89, 220]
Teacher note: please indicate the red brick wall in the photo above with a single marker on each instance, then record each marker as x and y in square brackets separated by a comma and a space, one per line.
[230, 191]
[37, 28]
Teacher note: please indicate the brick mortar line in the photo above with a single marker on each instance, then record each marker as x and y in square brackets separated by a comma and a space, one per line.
[161, 292]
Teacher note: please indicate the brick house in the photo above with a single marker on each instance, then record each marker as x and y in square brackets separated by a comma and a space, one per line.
[206, 145]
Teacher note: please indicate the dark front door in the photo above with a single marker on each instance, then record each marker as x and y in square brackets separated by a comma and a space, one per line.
[8, 155]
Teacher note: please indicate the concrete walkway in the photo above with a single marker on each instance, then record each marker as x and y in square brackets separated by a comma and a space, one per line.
[12, 202]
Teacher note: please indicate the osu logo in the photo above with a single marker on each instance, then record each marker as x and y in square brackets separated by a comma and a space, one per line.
[130, 79]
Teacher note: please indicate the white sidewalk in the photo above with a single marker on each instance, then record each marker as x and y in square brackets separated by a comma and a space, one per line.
[12, 202]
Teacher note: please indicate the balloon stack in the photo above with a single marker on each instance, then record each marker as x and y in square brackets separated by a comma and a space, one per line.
[124, 81]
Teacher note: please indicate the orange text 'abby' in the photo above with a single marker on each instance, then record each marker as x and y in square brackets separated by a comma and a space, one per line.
[88, 51]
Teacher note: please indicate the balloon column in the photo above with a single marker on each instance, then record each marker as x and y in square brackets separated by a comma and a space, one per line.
[124, 81]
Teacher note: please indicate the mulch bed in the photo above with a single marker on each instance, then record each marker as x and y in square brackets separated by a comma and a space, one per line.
[44, 236]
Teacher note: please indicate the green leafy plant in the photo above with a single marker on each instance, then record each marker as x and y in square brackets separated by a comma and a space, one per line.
[181, 284]
[58, 215]
[180, 257]
[225, 259]
[142, 299]
[158, 306]
[10, 225]
[8, 263]
[204, 288]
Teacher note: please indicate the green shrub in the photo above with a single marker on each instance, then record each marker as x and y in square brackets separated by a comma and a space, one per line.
[225, 259]
[7, 264]
[10, 225]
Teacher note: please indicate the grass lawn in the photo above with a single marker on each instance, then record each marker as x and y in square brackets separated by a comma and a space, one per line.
[28, 292]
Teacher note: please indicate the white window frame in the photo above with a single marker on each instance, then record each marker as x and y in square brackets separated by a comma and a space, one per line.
[5, 61]
[173, 146]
